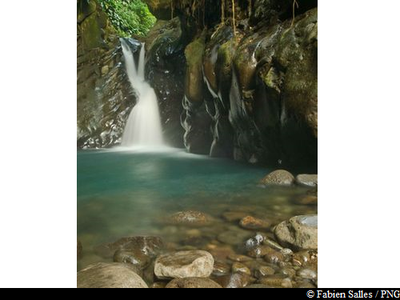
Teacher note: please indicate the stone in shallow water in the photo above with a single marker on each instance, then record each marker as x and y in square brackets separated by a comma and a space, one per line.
[252, 223]
[258, 286]
[299, 232]
[184, 264]
[233, 237]
[305, 258]
[307, 274]
[221, 269]
[149, 245]
[255, 241]
[277, 281]
[190, 218]
[193, 283]
[240, 268]
[235, 281]
[134, 257]
[263, 271]
[310, 180]
[114, 275]
[278, 177]
[239, 258]
[234, 216]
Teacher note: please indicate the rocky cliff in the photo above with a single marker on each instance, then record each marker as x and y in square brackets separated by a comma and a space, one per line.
[244, 88]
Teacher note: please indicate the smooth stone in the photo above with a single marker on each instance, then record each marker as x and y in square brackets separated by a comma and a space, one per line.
[309, 200]
[221, 252]
[307, 274]
[234, 216]
[221, 269]
[310, 180]
[239, 258]
[274, 257]
[260, 251]
[184, 264]
[235, 281]
[158, 285]
[233, 238]
[190, 218]
[299, 233]
[149, 245]
[240, 268]
[278, 177]
[252, 223]
[272, 244]
[263, 271]
[288, 272]
[136, 258]
[193, 283]
[255, 241]
[277, 281]
[305, 258]
[80, 250]
[113, 275]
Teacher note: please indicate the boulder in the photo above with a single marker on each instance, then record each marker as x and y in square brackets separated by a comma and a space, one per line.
[193, 283]
[278, 177]
[184, 264]
[299, 233]
[114, 275]
[310, 180]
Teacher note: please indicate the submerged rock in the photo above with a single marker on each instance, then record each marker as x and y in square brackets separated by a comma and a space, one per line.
[149, 246]
[233, 238]
[299, 233]
[134, 257]
[278, 177]
[252, 223]
[190, 218]
[184, 264]
[241, 268]
[193, 283]
[104, 275]
[277, 281]
[310, 180]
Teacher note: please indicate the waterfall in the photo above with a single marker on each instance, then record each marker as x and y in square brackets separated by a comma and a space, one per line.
[143, 127]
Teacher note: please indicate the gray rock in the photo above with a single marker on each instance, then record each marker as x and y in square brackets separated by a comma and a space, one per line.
[310, 180]
[299, 232]
[184, 264]
[278, 177]
[193, 283]
[114, 275]
[307, 274]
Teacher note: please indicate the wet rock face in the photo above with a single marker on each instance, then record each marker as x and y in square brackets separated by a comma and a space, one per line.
[165, 70]
[104, 275]
[261, 91]
[105, 97]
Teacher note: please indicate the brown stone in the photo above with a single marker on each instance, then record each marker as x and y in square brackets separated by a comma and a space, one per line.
[193, 283]
[252, 223]
[279, 177]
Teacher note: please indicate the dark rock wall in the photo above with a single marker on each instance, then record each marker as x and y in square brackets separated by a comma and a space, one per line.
[105, 97]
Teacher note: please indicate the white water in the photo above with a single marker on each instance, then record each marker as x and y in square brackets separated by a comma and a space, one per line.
[143, 128]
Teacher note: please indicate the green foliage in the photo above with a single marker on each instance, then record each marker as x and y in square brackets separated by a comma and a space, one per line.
[129, 17]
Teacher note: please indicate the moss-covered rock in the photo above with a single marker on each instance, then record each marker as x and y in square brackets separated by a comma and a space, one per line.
[105, 97]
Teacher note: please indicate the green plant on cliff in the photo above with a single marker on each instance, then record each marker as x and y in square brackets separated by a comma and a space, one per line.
[129, 17]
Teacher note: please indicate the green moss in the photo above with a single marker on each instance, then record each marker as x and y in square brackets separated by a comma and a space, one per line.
[129, 17]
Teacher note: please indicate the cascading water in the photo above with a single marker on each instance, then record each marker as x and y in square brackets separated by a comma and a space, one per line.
[143, 128]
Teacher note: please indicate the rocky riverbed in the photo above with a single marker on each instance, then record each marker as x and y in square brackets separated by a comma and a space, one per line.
[241, 244]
